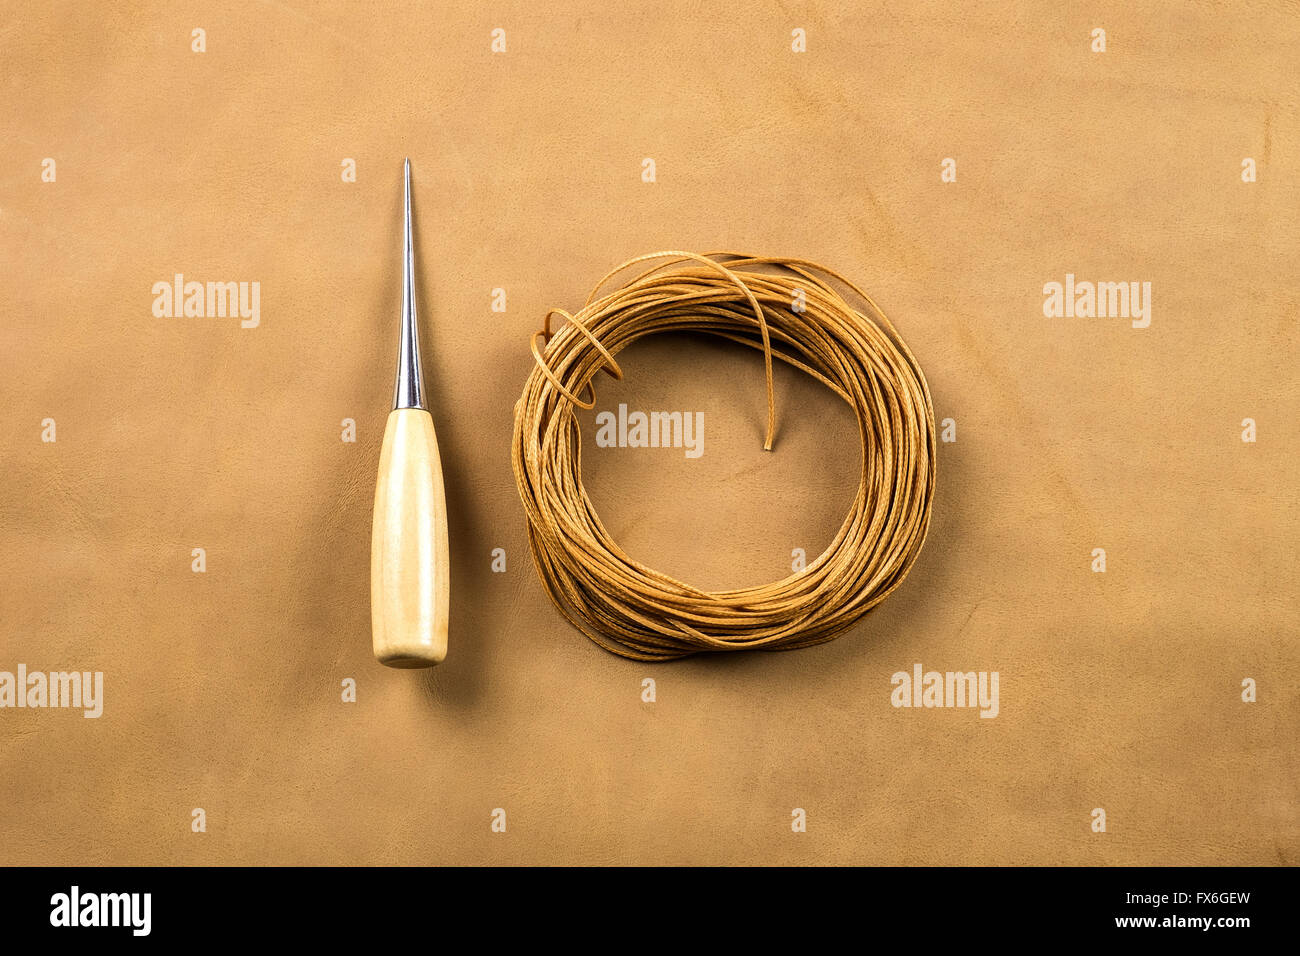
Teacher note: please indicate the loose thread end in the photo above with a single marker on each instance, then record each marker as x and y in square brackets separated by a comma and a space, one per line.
[771, 413]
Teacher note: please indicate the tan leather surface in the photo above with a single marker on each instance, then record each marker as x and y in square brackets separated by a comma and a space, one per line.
[222, 689]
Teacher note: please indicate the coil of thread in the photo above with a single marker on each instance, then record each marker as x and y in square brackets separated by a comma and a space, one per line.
[789, 310]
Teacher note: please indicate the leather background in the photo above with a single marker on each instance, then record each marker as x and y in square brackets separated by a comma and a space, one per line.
[1118, 690]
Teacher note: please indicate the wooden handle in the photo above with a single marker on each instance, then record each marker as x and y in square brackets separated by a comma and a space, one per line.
[409, 579]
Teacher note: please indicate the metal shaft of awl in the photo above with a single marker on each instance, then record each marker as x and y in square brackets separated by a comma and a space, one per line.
[410, 377]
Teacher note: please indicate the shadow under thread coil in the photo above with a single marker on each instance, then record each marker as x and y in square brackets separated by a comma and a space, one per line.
[637, 612]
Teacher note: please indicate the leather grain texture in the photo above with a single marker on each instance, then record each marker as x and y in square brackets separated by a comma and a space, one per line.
[223, 689]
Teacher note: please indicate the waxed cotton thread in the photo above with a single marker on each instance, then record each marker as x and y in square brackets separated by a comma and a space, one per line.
[637, 612]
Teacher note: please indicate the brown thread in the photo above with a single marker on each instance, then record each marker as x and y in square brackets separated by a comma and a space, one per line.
[637, 612]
